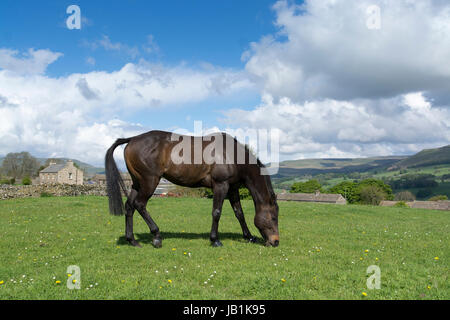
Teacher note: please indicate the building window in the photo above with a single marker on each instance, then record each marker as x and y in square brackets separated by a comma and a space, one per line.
[70, 175]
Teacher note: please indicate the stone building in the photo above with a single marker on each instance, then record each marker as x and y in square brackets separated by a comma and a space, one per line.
[65, 173]
[433, 205]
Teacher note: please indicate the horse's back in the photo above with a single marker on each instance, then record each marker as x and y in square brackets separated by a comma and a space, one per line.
[157, 153]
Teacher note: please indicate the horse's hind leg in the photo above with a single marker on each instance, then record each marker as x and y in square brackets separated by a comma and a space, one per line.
[140, 203]
[235, 201]
[220, 191]
[129, 219]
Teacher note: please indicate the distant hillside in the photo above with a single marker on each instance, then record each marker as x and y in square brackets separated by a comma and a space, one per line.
[427, 157]
[317, 166]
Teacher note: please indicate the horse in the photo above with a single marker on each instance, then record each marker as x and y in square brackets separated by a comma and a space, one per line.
[223, 168]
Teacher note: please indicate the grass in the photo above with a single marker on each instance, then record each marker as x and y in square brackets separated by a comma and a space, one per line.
[324, 252]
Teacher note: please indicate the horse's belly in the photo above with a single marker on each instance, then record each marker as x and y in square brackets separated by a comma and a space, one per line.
[188, 176]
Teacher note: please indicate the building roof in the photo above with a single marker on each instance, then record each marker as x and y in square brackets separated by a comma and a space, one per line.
[53, 168]
[434, 205]
[312, 197]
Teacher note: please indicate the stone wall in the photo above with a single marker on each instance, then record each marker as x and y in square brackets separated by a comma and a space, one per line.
[433, 205]
[56, 190]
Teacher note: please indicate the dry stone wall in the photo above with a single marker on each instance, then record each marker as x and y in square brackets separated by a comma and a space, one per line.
[56, 190]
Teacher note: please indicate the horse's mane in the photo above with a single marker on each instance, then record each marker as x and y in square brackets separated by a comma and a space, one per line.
[266, 177]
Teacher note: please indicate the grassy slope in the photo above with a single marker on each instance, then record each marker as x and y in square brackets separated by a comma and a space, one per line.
[338, 163]
[426, 157]
[321, 256]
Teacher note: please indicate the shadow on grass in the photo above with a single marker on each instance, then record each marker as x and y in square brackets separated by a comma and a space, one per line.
[146, 238]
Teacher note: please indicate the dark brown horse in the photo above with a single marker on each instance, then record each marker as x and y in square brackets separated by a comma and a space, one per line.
[192, 162]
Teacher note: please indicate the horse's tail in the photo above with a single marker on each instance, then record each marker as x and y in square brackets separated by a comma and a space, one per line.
[114, 181]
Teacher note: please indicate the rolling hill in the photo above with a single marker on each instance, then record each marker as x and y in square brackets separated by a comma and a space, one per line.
[424, 159]
[318, 166]
[427, 157]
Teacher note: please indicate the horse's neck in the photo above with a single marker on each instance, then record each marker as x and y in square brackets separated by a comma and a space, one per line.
[258, 186]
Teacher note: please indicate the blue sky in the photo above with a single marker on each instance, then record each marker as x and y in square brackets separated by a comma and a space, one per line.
[318, 72]
[188, 32]
[217, 32]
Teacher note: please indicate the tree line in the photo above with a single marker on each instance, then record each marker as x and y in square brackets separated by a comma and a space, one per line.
[368, 191]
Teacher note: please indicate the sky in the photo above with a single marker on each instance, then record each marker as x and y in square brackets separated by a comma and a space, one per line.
[334, 78]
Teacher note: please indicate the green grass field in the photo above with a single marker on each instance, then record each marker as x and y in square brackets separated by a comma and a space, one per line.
[323, 254]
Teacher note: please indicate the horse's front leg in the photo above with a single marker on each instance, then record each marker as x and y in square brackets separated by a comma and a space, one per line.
[220, 191]
[235, 201]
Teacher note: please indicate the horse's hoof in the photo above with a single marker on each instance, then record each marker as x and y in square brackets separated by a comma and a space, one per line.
[134, 243]
[157, 243]
[252, 239]
[217, 243]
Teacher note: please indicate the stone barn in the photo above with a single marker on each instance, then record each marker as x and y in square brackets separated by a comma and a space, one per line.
[312, 197]
[65, 173]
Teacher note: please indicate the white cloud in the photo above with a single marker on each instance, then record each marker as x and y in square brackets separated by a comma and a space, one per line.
[91, 61]
[151, 46]
[105, 42]
[31, 62]
[331, 128]
[325, 50]
[335, 88]
[73, 116]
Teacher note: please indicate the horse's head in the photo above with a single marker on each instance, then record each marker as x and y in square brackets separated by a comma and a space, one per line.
[266, 220]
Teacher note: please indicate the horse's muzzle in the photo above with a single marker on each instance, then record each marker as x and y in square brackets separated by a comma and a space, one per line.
[273, 241]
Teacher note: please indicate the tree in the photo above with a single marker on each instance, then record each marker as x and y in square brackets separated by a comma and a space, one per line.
[375, 183]
[408, 181]
[404, 196]
[18, 165]
[371, 194]
[438, 198]
[347, 189]
[424, 193]
[359, 192]
[309, 186]
[40, 169]
[26, 181]
[244, 193]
